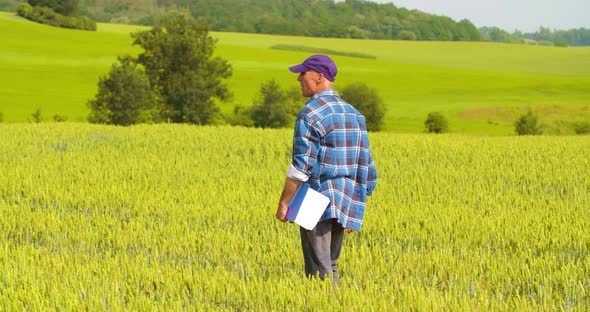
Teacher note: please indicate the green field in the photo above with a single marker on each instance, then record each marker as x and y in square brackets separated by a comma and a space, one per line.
[179, 217]
[480, 87]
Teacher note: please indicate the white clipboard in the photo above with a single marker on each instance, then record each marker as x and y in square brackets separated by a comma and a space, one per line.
[307, 206]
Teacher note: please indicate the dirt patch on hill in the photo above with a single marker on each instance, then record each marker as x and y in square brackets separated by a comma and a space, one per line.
[557, 119]
[495, 115]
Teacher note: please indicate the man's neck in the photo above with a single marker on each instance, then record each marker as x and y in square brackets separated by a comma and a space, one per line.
[323, 87]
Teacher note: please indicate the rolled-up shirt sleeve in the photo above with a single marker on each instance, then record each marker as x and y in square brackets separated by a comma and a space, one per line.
[295, 174]
[305, 150]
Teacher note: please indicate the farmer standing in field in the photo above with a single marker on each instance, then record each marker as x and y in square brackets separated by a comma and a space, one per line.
[331, 153]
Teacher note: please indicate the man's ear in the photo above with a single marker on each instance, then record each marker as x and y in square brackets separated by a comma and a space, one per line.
[319, 78]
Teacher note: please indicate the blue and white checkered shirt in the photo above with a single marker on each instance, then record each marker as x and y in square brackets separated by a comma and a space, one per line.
[331, 152]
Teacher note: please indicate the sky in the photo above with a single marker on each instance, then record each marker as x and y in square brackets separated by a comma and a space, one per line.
[524, 15]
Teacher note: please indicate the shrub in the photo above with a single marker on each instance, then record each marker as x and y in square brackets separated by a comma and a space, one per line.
[436, 123]
[145, 21]
[240, 117]
[85, 23]
[125, 97]
[274, 107]
[560, 43]
[45, 15]
[37, 116]
[582, 127]
[59, 118]
[62, 7]
[528, 124]
[367, 101]
[407, 35]
[25, 10]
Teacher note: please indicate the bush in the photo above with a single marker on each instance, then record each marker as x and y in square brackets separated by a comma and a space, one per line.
[59, 118]
[62, 7]
[37, 116]
[85, 23]
[528, 124]
[45, 15]
[240, 117]
[367, 102]
[145, 21]
[407, 35]
[436, 123]
[125, 97]
[582, 127]
[274, 107]
[560, 43]
[25, 10]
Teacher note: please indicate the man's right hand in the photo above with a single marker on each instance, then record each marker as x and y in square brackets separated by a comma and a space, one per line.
[288, 191]
[281, 214]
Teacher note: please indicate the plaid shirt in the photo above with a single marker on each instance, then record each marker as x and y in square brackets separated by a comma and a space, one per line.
[331, 148]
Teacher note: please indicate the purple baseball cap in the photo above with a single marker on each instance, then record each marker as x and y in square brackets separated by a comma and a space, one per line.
[320, 63]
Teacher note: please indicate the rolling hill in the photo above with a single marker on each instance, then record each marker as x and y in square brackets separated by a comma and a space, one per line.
[481, 87]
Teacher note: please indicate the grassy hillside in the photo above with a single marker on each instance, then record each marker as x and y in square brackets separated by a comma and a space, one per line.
[481, 87]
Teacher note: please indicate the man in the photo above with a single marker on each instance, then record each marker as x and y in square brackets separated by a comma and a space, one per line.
[331, 153]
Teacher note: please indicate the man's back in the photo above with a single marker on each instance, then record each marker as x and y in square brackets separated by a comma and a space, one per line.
[331, 146]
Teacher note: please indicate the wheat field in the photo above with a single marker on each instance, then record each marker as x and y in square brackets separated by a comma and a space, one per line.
[169, 217]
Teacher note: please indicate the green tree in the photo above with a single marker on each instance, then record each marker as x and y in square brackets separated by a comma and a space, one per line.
[528, 124]
[125, 97]
[25, 10]
[407, 35]
[467, 31]
[178, 60]
[367, 101]
[560, 43]
[496, 34]
[274, 107]
[436, 123]
[64, 7]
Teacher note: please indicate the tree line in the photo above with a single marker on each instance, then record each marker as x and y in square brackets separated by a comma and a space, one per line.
[318, 18]
[322, 18]
[544, 36]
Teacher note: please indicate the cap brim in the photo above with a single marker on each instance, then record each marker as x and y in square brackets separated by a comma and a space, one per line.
[298, 68]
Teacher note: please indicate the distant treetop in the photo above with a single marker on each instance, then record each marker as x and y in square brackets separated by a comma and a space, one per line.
[358, 19]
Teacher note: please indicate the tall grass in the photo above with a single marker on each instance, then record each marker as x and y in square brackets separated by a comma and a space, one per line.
[181, 217]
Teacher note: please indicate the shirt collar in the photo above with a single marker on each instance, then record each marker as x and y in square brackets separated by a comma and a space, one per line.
[324, 93]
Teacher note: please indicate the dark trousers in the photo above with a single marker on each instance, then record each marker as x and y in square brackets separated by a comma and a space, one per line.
[321, 249]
